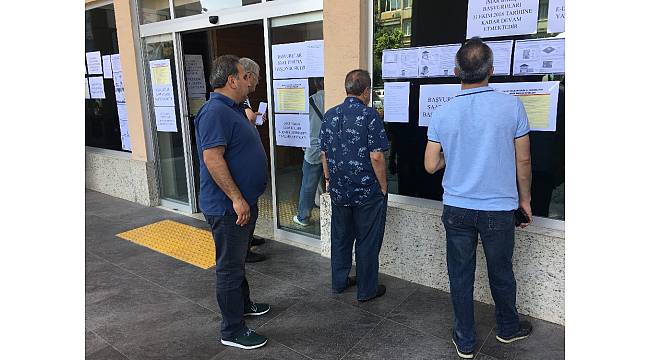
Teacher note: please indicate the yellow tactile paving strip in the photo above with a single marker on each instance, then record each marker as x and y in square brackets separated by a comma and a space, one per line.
[180, 241]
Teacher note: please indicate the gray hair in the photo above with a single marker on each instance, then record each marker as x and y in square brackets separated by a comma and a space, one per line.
[474, 61]
[223, 67]
[357, 81]
[250, 66]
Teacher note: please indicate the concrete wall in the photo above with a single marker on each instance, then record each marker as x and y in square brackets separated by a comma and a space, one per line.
[414, 249]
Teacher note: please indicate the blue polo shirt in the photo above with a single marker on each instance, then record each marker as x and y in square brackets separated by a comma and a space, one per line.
[222, 122]
[349, 133]
[476, 130]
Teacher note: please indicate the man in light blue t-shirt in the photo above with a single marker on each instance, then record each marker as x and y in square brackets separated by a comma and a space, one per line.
[484, 136]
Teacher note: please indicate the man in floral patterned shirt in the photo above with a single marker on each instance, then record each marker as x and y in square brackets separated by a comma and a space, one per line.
[353, 141]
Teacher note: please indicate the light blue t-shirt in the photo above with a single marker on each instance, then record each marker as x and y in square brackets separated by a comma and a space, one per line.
[477, 131]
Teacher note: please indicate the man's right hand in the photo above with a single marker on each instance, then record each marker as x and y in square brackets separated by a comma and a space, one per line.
[243, 211]
[525, 205]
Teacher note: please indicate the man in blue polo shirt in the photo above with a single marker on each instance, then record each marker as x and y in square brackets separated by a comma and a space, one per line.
[233, 175]
[484, 136]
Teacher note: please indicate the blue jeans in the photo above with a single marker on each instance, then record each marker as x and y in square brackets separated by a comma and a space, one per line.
[311, 176]
[497, 230]
[365, 223]
[233, 295]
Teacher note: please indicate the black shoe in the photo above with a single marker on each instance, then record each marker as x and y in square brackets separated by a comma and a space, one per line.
[381, 290]
[252, 257]
[462, 354]
[257, 309]
[351, 281]
[525, 328]
[257, 241]
[248, 340]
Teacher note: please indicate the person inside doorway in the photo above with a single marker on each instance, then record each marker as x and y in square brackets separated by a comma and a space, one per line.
[252, 70]
[312, 168]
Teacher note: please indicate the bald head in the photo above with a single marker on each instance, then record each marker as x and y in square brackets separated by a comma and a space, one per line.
[474, 61]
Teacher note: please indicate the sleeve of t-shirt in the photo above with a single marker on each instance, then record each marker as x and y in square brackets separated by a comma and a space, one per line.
[214, 131]
[522, 120]
[377, 140]
[432, 132]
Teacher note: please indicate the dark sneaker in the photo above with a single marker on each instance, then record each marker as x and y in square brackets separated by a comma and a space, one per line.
[525, 328]
[252, 257]
[462, 354]
[257, 309]
[257, 241]
[352, 280]
[248, 340]
[381, 290]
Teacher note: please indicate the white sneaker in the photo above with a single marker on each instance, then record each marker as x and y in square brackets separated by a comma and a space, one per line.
[297, 221]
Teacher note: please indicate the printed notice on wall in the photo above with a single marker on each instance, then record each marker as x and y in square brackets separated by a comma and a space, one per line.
[541, 56]
[291, 96]
[437, 61]
[194, 75]
[116, 63]
[396, 101]
[124, 127]
[556, 16]
[431, 97]
[298, 60]
[399, 63]
[108, 70]
[502, 55]
[119, 87]
[539, 99]
[492, 18]
[165, 118]
[195, 102]
[292, 130]
[161, 82]
[94, 62]
[96, 84]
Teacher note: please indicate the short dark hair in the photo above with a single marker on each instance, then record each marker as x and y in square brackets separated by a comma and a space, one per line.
[356, 81]
[223, 67]
[474, 61]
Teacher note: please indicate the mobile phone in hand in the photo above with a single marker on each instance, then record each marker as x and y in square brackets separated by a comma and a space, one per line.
[521, 217]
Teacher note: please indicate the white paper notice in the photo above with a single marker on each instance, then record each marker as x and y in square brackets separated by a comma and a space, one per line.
[432, 96]
[108, 71]
[194, 74]
[119, 87]
[400, 63]
[315, 59]
[396, 101]
[96, 84]
[540, 56]
[556, 16]
[291, 96]
[502, 54]
[161, 82]
[261, 109]
[94, 63]
[292, 130]
[539, 99]
[492, 18]
[165, 118]
[437, 61]
[298, 60]
[116, 63]
[124, 126]
[87, 89]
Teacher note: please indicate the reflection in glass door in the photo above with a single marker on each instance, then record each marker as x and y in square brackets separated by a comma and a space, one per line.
[164, 111]
[289, 160]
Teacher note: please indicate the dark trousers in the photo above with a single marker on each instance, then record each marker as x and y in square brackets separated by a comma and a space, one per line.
[497, 230]
[233, 295]
[365, 223]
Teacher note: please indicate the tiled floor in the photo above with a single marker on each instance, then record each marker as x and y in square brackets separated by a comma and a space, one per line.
[144, 305]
